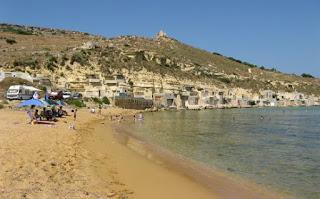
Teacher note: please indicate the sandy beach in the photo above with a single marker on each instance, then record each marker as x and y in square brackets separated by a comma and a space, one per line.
[46, 161]
[43, 161]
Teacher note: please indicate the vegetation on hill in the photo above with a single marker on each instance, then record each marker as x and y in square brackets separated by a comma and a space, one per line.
[306, 75]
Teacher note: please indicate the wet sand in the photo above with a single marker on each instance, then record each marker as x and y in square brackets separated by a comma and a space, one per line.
[142, 178]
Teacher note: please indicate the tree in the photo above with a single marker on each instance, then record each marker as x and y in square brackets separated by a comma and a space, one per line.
[306, 75]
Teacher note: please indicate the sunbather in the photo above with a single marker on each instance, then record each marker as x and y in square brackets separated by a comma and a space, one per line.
[54, 111]
[43, 113]
[62, 112]
[37, 116]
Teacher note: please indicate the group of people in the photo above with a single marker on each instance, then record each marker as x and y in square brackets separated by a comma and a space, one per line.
[47, 114]
[119, 117]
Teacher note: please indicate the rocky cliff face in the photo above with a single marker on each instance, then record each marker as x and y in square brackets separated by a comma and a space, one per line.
[67, 56]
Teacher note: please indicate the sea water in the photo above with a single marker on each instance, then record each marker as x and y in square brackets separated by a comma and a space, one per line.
[278, 148]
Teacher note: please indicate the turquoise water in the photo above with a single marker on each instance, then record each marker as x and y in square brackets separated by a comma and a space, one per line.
[278, 148]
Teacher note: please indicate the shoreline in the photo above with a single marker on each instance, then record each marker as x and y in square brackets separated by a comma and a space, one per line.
[96, 161]
[229, 107]
[216, 183]
[222, 184]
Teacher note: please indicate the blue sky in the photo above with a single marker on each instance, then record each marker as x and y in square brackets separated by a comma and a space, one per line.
[284, 34]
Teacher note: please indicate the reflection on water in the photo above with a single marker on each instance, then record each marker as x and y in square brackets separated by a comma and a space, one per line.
[278, 148]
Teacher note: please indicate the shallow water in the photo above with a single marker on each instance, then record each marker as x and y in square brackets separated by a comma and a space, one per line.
[278, 148]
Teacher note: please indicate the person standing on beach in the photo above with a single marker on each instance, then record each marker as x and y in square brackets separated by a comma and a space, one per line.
[72, 125]
[100, 107]
[30, 114]
[75, 114]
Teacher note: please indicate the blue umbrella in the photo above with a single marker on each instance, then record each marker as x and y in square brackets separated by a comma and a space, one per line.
[35, 102]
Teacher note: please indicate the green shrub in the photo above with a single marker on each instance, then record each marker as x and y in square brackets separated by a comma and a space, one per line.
[80, 57]
[68, 67]
[51, 58]
[249, 64]
[64, 58]
[225, 80]
[306, 75]
[105, 100]
[18, 30]
[1, 106]
[50, 65]
[51, 62]
[76, 103]
[26, 62]
[96, 100]
[236, 60]
[215, 53]
[11, 41]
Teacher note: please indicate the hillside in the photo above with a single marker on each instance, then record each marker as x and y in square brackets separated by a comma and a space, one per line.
[62, 54]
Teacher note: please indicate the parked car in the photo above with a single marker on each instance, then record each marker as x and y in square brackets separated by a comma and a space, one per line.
[77, 96]
[66, 95]
[56, 95]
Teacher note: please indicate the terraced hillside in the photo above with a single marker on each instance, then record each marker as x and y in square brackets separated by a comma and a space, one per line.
[55, 52]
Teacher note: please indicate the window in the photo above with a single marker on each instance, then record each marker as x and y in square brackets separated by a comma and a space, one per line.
[13, 91]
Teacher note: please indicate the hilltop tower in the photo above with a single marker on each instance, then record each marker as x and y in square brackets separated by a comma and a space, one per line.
[161, 34]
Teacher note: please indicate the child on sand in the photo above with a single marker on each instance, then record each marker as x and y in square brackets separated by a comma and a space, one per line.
[30, 114]
[75, 114]
[72, 125]
[100, 107]
[37, 116]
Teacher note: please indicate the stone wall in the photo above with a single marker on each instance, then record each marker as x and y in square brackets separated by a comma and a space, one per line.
[133, 103]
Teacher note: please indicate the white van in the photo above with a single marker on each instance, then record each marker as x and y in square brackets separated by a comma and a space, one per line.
[21, 92]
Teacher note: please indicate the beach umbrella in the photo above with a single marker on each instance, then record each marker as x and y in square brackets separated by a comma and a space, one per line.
[35, 102]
